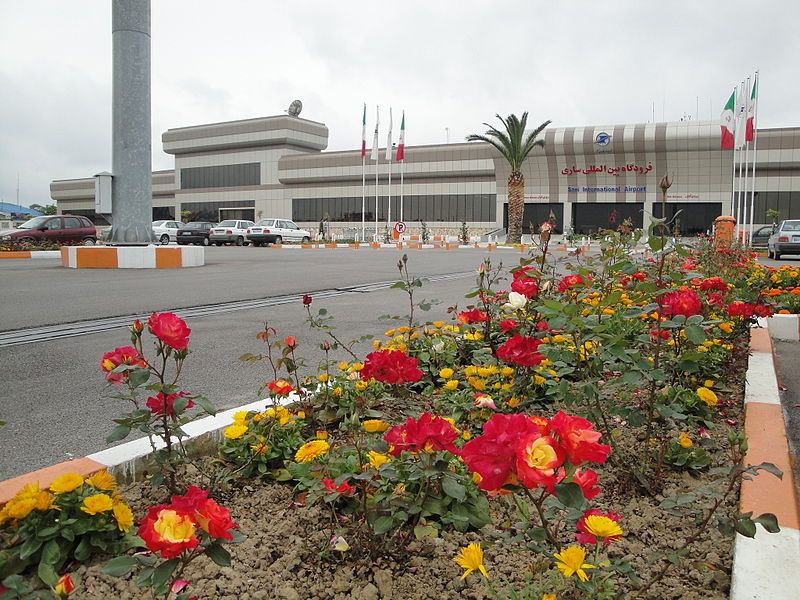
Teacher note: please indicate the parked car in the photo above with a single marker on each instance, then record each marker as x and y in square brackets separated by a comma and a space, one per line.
[276, 231]
[67, 229]
[761, 235]
[196, 232]
[231, 231]
[166, 231]
[784, 240]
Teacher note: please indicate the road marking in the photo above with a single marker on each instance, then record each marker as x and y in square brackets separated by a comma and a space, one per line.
[77, 328]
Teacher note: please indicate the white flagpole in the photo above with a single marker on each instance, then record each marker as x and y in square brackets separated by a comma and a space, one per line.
[364, 198]
[745, 237]
[756, 83]
[734, 199]
[377, 162]
[402, 168]
[389, 157]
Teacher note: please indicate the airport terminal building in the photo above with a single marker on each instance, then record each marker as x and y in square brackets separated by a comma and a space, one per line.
[586, 178]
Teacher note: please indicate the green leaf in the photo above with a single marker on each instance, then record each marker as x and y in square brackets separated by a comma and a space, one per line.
[454, 489]
[398, 285]
[382, 524]
[47, 574]
[138, 377]
[656, 243]
[569, 494]
[769, 468]
[746, 527]
[163, 572]
[205, 404]
[46, 532]
[695, 334]
[51, 553]
[120, 566]
[29, 547]
[82, 550]
[769, 522]
[422, 532]
[120, 432]
[219, 555]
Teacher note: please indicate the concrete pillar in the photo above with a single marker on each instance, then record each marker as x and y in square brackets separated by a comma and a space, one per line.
[132, 200]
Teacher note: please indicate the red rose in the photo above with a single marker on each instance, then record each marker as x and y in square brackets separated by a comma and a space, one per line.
[290, 341]
[165, 403]
[525, 272]
[392, 367]
[680, 302]
[579, 439]
[280, 387]
[522, 351]
[429, 433]
[306, 299]
[526, 286]
[507, 325]
[587, 480]
[538, 458]
[475, 315]
[125, 355]
[211, 517]
[170, 329]
[663, 334]
[570, 281]
[343, 488]
[167, 531]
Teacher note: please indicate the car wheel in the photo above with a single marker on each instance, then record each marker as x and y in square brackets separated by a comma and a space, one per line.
[164, 239]
[218, 243]
[256, 244]
[88, 241]
[776, 255]
[278, 240]
[207, 242]
[306, 239]
[769, 252]
[240, 241]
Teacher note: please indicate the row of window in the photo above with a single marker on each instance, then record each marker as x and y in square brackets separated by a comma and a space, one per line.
[786, 203]
[445, 207]
[221, 176]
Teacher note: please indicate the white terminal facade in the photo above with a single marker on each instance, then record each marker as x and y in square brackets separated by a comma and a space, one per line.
[586, 178]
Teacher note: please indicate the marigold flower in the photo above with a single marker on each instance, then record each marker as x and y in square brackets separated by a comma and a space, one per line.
[513, 402]
[595, 524]
[64, 586]
[323, 377]
[376, 459]
[570, 562]
[123, 516]
[548, 597]
[446, 373]
[45, 501]
[375, 426]
[235, 431]
[684, 441]
[451, 384]
[361, 385]
[167, 532]
[170, 329]
[470, 558]
[18, 508]
[97, 503]
[102, 480]
[707, 396]
[311, 451]
[66, 483]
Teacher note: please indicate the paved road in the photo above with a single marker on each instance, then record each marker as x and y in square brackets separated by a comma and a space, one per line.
[787, 356]
[52, 393]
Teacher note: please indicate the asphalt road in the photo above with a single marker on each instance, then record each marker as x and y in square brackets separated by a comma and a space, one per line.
[53, 395]
[787, 356]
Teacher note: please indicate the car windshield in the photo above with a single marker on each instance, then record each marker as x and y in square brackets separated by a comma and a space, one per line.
[158, 223]
[195, 225]
[35, 223]
[791, 226]
[227, 224]
[266, 222]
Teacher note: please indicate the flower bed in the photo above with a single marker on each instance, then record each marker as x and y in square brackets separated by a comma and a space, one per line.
[570, 436]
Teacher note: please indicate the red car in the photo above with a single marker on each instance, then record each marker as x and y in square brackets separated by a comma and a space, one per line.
[68, 229]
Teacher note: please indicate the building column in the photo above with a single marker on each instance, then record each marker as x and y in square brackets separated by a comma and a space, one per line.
[132, 197]
[567, 219]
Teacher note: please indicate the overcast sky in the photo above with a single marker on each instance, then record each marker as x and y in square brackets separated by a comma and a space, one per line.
[449, 63]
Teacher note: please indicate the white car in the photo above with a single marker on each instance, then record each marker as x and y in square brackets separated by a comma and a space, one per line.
[276, 231]
[166, 231]
[230, 231]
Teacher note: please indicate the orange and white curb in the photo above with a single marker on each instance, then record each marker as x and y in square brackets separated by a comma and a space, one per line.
[132, 257]
[763, 566]
[122, 460]
[31, 254]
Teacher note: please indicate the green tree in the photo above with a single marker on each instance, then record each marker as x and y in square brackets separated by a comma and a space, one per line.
[48, 209]
[515, 146]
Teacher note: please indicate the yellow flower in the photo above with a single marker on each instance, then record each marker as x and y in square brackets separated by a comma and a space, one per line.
[123, 516]
[376, 459]
[356, 366]
[487, 371]
[17, 508]
[446, 373]
[235, 431]
[103, 480]
[538, 380]
[471, 371]
[470, 558]
[323, 377]
[240, 417]
[361, 385]
[451, 384]
[570, 562]
[311, 451]
[343, 366]
[684, 440]
[707, 396]
[301, 414]
[507, 371]
[548, 597]
[438, 324]
[322, 434]
[727, 327]
[66, 483]
[64, 587]
[466, 435]
[389, 333]
[602, 526]
[45, 501]
[709, 383]
[478, 384]
[97, 503]
[376, 344]
[337, 391]
[174, 527]
[374, 425]
[513, 402]
[473, 335]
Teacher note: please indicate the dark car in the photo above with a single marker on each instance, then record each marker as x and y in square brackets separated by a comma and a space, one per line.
[63, 229]
[761, 235]
[196, 232]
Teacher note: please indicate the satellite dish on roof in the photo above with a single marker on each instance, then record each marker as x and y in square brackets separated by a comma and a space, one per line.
[294, 108]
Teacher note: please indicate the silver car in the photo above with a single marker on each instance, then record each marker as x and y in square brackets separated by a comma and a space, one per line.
[784, 240]
[231, 231]
[276, 231]
[166, 231]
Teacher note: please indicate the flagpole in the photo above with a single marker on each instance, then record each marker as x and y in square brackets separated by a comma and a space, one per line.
[402, 168]
[377, 162]
[389, 214]
[755, 141]
[363, 197]
[746, 166]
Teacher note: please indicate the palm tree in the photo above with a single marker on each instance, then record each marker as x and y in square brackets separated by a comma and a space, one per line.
[515, 146]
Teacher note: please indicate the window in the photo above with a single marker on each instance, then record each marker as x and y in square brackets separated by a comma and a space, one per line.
[72, 223]
[453, 208]
[53, 224]
[221, 176]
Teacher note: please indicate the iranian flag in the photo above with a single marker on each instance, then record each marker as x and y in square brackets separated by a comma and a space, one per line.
[750, 132]
[364, 132]
[727, 123]
[401, 143]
